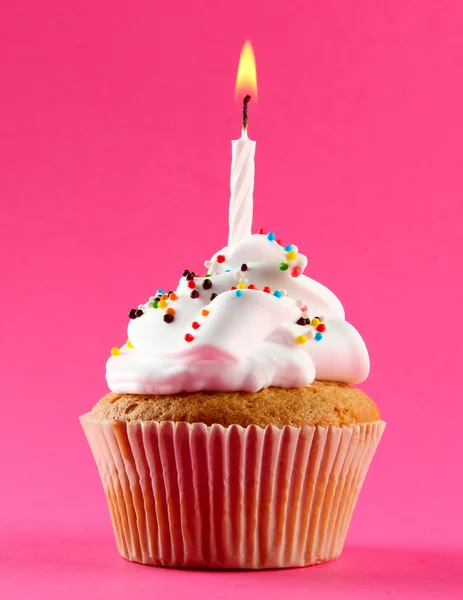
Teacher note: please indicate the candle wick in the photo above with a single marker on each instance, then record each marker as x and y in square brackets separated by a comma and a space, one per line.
[245, 111]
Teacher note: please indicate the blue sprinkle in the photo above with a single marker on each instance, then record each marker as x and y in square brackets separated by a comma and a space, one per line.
[318, 336]
[288, 248]
[227, 271]
[239, 293]
[270, 236]
[161, 292]
[277, 293]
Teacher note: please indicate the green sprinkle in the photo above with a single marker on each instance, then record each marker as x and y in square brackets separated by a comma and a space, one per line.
[283, 266]
[155, 304]
[208, 274]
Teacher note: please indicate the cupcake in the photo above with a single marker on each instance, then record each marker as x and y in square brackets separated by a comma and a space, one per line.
[232, 437]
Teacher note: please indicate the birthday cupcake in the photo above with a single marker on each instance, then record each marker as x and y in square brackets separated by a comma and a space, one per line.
[232, 437]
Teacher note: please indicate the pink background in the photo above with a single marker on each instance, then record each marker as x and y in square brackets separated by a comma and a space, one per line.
[116, 120]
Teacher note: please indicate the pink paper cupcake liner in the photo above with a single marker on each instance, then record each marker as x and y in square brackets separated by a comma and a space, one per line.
[193, 496]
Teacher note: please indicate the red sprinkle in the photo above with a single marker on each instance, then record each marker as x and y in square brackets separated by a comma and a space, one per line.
[191, 284]
[266, 289]
[296, 271]
[189, 337]
[233, 287]
[220, 258]
[261, 231]
[251, 287]
[280, 242]
[321, 327]
[195, 325]
[304, 308]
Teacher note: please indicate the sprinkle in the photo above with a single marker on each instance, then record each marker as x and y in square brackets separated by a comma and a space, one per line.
[279, 242]
[207, 264]
[321, 328]
[296, 271]
[318, 336]
[261, 232]
[155, 304]
[301, 321]
[208, 275]
[239, 293]
[194, 294]
[115, 351]
[284, 266]
[291, 255]
[322, 318]
[160, 291]
[190, 276]
[162, 304]
[244, 267]
[195, 325]
[168, 318]
[191, 284]
[129, 344]
[251, 287]
[164, 297]
[173, 296]
[304, 308]
[207, 284]
[204, 312]
[132, 313]
[185, 273]
[227, 271]
[189, 337]
[139, 312]
[305, 314]
[266, 289]
[288, 248]
[270, 236]
[220, 258]
[284, 293]
[299, 303]
[233, 287]
[241, 286]
[141, 306]
[213, 296]
[316, 322]
[277, 294]
[301, 339]
[295, 248]
[244, 280]
[307, 321]
[170, 311]
[310, 334]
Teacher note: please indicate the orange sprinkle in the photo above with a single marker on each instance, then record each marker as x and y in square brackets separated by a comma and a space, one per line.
[170, 311]
[164, 297]
[204, 312]
[173, 296]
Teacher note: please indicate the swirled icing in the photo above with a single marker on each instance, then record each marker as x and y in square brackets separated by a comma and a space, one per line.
[244, 339]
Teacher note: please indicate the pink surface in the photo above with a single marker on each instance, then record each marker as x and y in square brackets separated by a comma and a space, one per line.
[116, 122]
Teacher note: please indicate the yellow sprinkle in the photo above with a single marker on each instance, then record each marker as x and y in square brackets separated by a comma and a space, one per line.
[129, 344]
[115, 351]
[315, 322]
[241, 286]
[162, 304]
[301, 339]
[291, 255]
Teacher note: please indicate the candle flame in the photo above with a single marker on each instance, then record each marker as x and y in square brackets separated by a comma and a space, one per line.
[246, 78]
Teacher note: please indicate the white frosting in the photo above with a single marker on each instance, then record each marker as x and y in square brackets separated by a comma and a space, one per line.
[246, 342]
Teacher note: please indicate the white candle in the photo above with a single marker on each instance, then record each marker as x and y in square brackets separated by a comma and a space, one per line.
[241, 184]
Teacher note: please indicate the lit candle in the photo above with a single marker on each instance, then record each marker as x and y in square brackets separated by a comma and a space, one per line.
[243, 151]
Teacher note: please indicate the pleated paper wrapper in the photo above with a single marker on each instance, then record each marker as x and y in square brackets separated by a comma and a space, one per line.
[193, 496]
